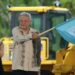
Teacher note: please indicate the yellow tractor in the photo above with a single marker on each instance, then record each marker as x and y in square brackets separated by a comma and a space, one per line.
[43, 18]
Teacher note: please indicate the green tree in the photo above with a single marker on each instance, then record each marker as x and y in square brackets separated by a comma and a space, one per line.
[32, 3]
[46, 2]
[70, 4]
[4, 21]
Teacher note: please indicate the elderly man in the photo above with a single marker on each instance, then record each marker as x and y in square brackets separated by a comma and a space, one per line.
[26, 56]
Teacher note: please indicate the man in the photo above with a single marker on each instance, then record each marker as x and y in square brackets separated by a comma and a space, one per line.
[1, 54]
[26, 59]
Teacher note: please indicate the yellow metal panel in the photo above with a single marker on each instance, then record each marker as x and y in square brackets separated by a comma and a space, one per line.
[8, 62]
[70, 56]
[26, 9]
[48, 62]
[7, 43]
[45, 48]
[38, 8]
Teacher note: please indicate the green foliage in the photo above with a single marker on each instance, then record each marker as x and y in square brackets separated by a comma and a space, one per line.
[4, 21]
[47, 2]
[32, 3]
[70, 4]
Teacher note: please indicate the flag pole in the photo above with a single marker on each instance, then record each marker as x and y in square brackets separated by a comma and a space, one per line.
[40, 34]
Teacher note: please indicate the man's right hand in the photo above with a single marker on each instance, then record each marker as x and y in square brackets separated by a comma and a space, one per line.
[35, 35]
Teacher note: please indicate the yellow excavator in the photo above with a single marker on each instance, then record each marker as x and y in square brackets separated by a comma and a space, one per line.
[65, 63]
[43, 18]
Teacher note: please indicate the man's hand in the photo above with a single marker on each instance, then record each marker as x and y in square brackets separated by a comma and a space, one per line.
[35, 35]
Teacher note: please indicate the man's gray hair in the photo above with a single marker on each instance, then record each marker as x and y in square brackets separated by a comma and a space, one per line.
[25, 14]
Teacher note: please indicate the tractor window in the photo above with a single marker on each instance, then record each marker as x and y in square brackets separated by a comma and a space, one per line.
[57, 20]
[57, 42]
[36, 21]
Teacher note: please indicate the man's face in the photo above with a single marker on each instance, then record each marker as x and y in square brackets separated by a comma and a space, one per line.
[24, 22]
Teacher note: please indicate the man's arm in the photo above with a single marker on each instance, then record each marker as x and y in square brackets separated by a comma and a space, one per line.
[18, 37]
